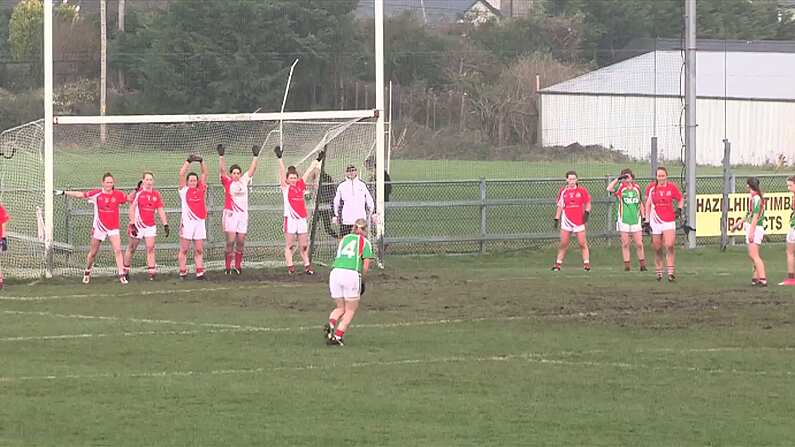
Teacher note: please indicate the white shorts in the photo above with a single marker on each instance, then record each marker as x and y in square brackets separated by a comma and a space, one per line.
[144, 232]
[193, 230]
[235, 222]
[759, 233]
[791, 236]
[567, 225]
[658, 227]
[102, 235]
[344, 284]
[294, 225]
[621, 227]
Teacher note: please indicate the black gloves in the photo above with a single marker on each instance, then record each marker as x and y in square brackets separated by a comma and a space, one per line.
[278, 151]
[3, 244]
[555, 223]
[646, 227]
[133, 230]
[197, 157]
[361, 287]
[321, 155]
[138, 187]
[585, 216]
[678, 212]
[622, 177]
[255, 150]
[220, 149]
[166, 230]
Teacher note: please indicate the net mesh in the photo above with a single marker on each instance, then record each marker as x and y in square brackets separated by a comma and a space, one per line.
[128, 150]
[22, 195]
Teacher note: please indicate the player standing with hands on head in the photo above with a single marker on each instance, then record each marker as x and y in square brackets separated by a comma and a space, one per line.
[4, 218]
[106, 201]
[630, 215]
[192, 228]
[790, 281]
[753, 225]
[571, 215]
[664, 204]
[295, 214]
[235, 218]
[346, 281]
[352, 201]
[144, 203]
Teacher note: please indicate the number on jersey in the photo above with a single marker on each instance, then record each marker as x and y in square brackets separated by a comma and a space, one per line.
[349, 250]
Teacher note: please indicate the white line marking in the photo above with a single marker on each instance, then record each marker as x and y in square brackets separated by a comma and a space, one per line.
[137, 293]
[539, 358]
[132, 320]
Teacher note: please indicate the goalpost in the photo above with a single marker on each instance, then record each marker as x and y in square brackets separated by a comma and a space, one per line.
[74, 156]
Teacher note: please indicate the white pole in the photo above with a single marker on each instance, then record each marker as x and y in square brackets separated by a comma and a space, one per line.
[49, 184]
[379, 105]
[103, 76]
[389, 133]
[690, 117]
[121, 29]
[284, 103]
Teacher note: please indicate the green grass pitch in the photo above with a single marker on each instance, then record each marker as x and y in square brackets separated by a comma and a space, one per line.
[459, 351]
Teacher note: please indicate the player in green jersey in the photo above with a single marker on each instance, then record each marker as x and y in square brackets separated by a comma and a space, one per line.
[790, 281]
[753, 224]
[629, 215]
[346, 281]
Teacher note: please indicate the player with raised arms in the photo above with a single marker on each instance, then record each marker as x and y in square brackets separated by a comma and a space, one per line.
[4, 218]
[235, 219]
[571, 215]
[790, 281]
[145, 201]
[192, 228]
[664, 204]
[753, 225]
[630, 214]
[295, 215]
[106, 201]
[347, 280]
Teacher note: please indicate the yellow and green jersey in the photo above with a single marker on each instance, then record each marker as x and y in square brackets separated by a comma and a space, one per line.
[629, 202]
[352, 250]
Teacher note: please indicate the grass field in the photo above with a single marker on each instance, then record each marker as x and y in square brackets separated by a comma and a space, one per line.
[492, 350]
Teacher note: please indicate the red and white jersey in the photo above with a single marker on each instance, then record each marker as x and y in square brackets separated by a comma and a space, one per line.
[147, 203]
[573, 202]
[294, 205]
[661, 198]
[4, 218]
[193, 204]
[106, 208]
[236, 193]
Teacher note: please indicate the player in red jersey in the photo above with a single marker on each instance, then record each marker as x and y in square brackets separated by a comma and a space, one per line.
[192, 193]
[790, 281]
[664, 205]
[295, 214]
[571, 215]
[145, 201]
[235, 218]
[106, 201]
[4, 218]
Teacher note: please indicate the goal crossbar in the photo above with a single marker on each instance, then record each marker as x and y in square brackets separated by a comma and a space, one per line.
[221, 117]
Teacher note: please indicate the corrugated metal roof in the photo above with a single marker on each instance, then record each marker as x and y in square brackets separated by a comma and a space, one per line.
[747, 75]
[436, 10]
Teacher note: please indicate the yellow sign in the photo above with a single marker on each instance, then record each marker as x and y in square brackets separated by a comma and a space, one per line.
[778, 207]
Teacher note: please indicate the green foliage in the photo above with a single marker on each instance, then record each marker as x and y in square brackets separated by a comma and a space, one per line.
[232, 55]
[25, 31]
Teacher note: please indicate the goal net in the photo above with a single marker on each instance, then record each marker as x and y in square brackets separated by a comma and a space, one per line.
[87, 147]
[22, 195]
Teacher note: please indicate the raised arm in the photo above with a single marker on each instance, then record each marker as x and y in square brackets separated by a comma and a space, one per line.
[611, 187]
[253, 166]
[183, 171]
[204, 172]
[282, 173]
[221, 164]
[314, 167]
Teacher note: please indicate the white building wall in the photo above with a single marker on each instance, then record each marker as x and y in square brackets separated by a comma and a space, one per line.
[758, 130]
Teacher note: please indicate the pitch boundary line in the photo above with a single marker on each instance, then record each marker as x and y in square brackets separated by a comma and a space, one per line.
[138, 293]
[538, 358]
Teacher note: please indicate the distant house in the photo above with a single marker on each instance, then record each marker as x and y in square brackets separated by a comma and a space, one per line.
[481, 11]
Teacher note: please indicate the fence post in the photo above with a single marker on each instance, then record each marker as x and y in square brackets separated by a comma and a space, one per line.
[728, 184]
[609, 215]
[732, 189]
[653, 157]
[67, 205]
[482, 212]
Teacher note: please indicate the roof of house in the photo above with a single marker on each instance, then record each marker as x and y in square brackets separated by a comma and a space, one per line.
[747, 75]
[436, 10]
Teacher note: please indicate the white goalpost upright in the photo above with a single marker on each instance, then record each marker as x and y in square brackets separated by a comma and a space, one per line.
[77, 149]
